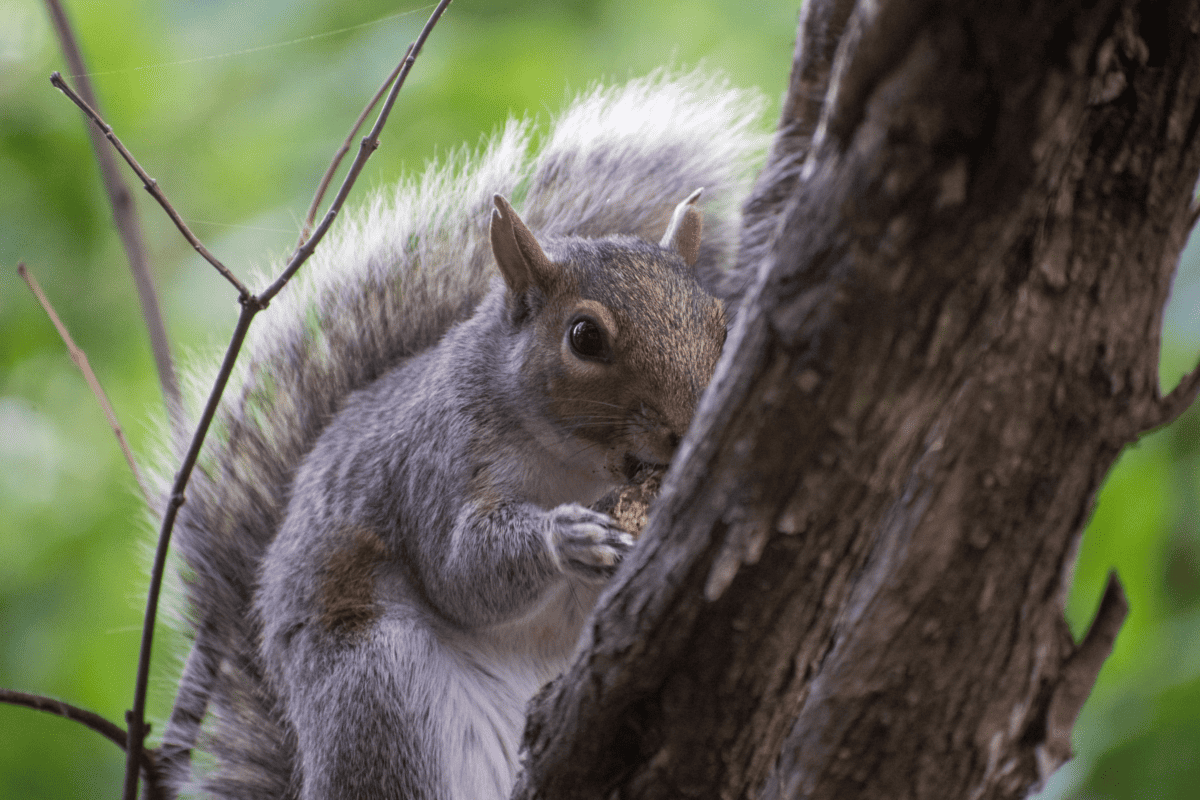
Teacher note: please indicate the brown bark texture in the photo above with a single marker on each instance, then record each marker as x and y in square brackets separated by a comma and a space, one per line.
[954, 269]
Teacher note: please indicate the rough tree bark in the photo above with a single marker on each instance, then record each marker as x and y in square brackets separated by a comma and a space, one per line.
[954, 269]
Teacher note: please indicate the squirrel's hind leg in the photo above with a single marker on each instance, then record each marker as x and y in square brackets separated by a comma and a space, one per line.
[399, 713]
[363, 727]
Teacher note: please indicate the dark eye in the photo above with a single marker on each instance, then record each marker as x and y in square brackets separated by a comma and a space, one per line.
[587, 339]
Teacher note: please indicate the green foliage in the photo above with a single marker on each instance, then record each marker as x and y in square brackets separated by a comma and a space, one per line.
[236, 108]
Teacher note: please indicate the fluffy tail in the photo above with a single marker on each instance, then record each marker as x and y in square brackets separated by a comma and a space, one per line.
[386, 284]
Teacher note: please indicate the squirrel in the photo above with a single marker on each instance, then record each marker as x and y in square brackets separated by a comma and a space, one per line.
[392, 541]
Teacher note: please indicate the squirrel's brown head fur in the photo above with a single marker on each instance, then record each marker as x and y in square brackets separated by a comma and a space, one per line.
[623, 337]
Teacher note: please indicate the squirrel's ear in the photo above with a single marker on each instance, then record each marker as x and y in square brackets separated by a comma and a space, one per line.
[518, 254]
[683, 231]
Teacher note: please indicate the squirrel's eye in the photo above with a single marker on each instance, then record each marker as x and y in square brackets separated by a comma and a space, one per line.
[587, 339]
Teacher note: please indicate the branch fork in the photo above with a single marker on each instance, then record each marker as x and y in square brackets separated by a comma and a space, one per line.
[133, 739]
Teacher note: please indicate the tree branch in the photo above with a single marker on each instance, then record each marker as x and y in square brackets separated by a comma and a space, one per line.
[1177, 401]
[954, 319]
[368, 145]
[109, 730]
[126, 221]
[1079, 676]
[81, 361]
[311, 216]
[149, 183]
[821, 27]
[251, 305]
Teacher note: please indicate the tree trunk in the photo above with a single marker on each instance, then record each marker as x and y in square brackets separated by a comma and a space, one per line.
[954, 269]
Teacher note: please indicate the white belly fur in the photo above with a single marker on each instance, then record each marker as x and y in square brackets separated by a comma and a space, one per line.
[489, 680]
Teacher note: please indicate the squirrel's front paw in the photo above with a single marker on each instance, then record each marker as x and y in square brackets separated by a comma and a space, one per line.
[587, 543]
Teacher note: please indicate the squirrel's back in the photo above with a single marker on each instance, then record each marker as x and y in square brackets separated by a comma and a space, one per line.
[386, 284]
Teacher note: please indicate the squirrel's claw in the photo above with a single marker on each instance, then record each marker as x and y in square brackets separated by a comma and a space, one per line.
[586, 543]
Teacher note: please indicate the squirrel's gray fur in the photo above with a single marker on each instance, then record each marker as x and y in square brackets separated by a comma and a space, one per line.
[339, 399]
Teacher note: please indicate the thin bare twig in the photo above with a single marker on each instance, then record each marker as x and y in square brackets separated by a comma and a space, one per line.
[368, 145]
[105, 727]
[81, 360]
[135, 718]
[126, 221]
[1081, 668]
[345, 148]
[251, 305]
[151, 185]
[1177, 401]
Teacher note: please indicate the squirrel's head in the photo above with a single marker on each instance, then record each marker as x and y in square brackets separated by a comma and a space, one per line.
[621, 338]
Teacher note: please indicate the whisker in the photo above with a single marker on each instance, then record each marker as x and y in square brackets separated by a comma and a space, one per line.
[597, 402]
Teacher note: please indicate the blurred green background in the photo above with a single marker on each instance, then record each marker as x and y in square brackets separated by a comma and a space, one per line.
[235, 108]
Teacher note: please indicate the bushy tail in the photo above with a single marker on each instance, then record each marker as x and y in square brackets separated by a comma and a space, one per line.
[386, 284]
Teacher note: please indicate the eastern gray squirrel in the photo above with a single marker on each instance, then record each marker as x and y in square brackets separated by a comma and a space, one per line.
[388, 548]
